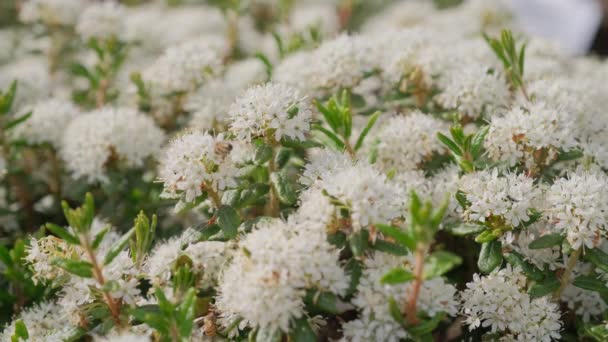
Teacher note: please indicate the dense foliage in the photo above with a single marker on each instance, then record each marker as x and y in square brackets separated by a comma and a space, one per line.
[272, 170]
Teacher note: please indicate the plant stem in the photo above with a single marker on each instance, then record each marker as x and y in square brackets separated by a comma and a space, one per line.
[565, 278]
[113, 305]
[215, 197]
[100, 94]
[410, 307]
[349, 149]
[272, 206]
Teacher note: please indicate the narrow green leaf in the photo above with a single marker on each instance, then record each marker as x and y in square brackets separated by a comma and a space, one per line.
[458, 134]
[464, 229]
[390, 248]
[228, 220]
[20, 330]
[427, 326]
[15, 122]
[330, 116]
[544, 288]
[439, 263]
[478, 140]
[522, 56]
[63, 233]
[490, 256]
[186, 312]
[449, 144]
[598, 257]
[98, 239]
[283, 188]
[82, 269]
[370, 123]
[546, 241]
[267, 64]
[517, 260]
[570, 155]
[485, 236]
[262, 154]
[403, 238]
[397, 275]
[334, 138]
[6, 100]
[118, 247]
[302, 332]
[359, 242]
[5, 256]
[321, 300]
[395, 311]
[591, 283]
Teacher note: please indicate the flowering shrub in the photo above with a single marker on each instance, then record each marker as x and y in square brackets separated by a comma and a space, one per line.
[268, 170]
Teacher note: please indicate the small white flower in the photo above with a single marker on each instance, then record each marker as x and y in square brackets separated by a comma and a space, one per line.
[196, 162]
[272, 109]
[511, 196]
[92, 140]
[577, 207]
[102, 21]
[406, 141]
[47, 122]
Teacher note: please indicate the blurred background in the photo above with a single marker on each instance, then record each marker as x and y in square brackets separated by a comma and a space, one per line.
[580, 26]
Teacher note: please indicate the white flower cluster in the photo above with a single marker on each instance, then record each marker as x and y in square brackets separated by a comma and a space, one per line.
[194, 163]
[577, 207]
[375, 322]
[272, 109]
[297, 134]
[93, 140]
[278, 263]
[510, 197]
[102, 21]
[499, 301]
[47, 121]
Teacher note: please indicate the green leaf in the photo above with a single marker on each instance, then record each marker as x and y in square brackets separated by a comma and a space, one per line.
[477, 142]
[449, 144]
[598, 257]
[546, 241]
[591, 283]
[370, 123]
[118, 247]
[397, 275]
[5, 256]
[302, 332]
[359, 242]
[20, 331]
[330, 116]
[395, 311]
[522, 56]
[490, 256]
[403, 238]
[262, 154]
[267, 64]
[544, 288]
[464, 229]
[228, 220]
[354, 269]
[186, 312]
[151, 315]
[570, 155]
[485, 236]
[78, 69]
[98, 239]
[439, 263]
[333, 137]
[390, 248]
[15, 122]
[82, 269]
[427, 326]
[283, 189]
[6, 100]
[517, 260]
[321, 300]
[63, 234]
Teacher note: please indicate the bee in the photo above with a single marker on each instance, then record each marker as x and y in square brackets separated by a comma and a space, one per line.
[222, 149]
